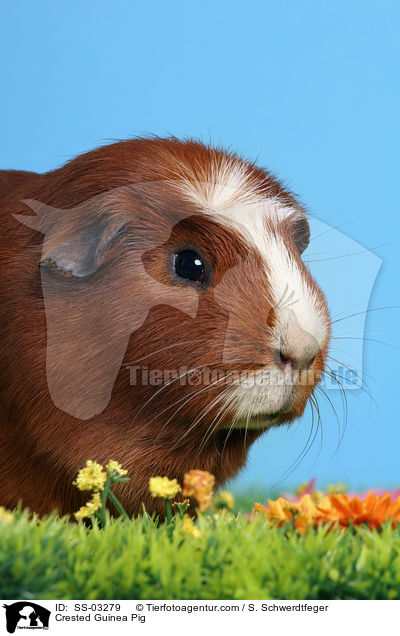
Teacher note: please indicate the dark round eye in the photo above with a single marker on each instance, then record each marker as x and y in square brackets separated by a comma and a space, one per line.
[188, 264]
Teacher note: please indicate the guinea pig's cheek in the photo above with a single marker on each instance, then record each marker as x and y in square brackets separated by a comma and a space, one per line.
[242, 294]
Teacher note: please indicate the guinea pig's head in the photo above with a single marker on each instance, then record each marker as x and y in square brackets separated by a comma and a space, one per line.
[184, 297]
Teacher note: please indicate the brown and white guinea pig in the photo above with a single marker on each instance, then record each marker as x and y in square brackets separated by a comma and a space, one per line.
[155, 311]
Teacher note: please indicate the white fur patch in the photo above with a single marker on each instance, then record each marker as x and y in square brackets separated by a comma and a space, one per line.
[229, 189]
[290, 289]
[262, 392]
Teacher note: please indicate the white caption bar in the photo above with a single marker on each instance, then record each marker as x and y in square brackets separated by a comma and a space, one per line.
[172, 617]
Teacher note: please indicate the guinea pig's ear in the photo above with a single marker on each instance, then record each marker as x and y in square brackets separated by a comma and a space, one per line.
[80, 252]
[75, 239]
[301, 233]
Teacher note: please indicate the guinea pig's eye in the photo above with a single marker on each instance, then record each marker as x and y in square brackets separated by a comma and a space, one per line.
[301, 234]
[189, 265]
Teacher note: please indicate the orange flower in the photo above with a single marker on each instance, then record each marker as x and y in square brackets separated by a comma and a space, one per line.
[372, 510]
[303, 512]
[199, 484]
[281, 510]
[333, 508]
[307, 513]
[258, 507]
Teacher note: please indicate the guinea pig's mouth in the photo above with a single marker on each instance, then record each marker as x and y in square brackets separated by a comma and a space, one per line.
[261, 421]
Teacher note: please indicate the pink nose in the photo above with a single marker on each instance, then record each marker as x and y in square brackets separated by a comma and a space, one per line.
[297, 348]
[295, 361]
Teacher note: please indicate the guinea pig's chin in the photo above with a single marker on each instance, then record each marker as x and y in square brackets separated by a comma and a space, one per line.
[263, 421]
[262, 407]
[257, 422]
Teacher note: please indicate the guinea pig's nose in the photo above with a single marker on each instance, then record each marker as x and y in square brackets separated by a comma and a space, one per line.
[296, 360]
[298, 348]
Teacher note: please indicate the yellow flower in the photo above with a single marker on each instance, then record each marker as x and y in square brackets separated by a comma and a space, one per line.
[187, 527]
[224, 499]
[164, 487]
[6, 515]
[115, 466]
[92, 505]
[199, 484]
[92, 477]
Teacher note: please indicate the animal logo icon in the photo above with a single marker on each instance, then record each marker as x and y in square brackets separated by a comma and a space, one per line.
[26, 615]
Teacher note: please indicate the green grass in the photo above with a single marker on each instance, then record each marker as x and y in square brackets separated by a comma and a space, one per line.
[231, 560]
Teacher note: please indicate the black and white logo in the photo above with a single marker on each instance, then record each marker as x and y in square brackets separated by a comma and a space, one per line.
[26, 615]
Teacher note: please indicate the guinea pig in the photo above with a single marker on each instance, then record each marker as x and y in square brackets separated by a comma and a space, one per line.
[155, 311]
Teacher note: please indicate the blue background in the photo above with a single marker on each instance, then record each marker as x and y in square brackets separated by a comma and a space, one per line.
[309, 89]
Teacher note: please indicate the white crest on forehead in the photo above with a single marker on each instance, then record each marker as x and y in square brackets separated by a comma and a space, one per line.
[227, 189]
[224, 183]
[220, 184]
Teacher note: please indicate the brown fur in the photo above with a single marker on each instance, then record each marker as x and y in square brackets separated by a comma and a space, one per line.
[142, 427]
